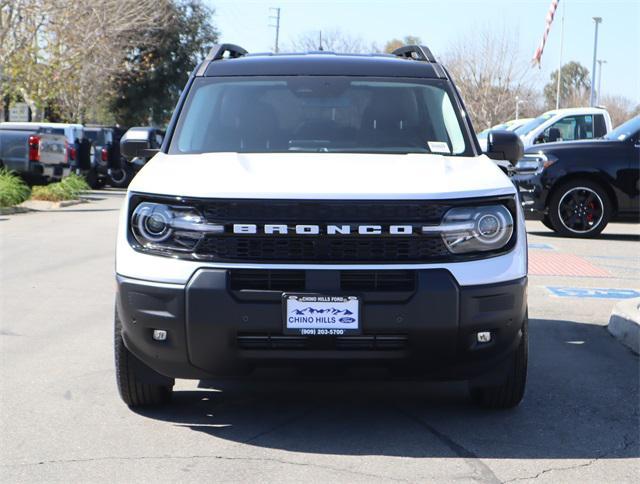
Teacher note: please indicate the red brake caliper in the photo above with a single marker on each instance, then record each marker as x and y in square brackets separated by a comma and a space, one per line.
[592, 207]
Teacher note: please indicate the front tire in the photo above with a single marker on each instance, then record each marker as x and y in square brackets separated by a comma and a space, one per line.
[94, 180]
[134, 391]
[511, 392]
[579, 208]
[547, 223]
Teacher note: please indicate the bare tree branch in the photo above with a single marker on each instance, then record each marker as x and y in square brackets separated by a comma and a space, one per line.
[333, 40]
[491, 74]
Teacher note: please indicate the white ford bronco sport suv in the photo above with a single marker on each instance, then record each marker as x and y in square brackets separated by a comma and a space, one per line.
[321, 209]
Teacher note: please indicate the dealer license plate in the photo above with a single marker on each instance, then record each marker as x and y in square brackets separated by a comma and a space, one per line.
[314, 314]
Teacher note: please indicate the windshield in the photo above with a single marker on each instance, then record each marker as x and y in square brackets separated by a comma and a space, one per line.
[319, 114]
[625, 130]
[533, 124]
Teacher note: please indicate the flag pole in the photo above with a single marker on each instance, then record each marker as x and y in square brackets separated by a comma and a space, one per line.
[560, 66]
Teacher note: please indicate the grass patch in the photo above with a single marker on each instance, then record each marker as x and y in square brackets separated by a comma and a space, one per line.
[67, 189]
[13, 190]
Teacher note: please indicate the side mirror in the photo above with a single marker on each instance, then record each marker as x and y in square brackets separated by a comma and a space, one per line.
[554, 135]
[504, 145]
[139, 143]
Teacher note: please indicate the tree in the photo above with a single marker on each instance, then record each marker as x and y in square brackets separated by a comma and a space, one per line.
[394, 44]
[60, 53]
[148, 86]
[333, 40]
[620, 109]
[574, 86]
[490, 75]
[24, 74]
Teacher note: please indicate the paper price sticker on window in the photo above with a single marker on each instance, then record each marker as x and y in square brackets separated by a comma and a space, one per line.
[438, 147]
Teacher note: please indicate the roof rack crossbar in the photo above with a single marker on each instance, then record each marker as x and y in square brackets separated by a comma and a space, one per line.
[218, 52]
[416, 52]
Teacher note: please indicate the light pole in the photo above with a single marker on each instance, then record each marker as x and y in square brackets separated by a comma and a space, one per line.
[276, 18]
[592, 98]
[518, 103]
[600, 62]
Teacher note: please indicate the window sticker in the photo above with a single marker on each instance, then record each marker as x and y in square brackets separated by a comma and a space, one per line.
[438, 147]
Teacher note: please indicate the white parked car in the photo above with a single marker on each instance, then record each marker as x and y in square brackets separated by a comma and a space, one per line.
[509, 126]
[565, 125]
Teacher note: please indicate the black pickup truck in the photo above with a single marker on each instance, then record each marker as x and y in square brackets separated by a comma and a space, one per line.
[576, 188]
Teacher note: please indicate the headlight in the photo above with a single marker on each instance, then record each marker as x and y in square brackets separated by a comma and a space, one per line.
[476, 229]
[533, 163]
[156, 226]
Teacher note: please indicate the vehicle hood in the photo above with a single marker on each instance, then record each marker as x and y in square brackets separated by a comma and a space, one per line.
[571, 145]
[321, 176]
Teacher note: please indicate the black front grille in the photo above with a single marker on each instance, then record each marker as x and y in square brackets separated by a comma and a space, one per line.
[322, 248]
[415, 248]
[294, 280]
[325, 211]
[379, 342]
[266, 280]
[377, 280]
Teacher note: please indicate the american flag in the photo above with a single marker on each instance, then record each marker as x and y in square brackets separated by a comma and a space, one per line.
[537, 56]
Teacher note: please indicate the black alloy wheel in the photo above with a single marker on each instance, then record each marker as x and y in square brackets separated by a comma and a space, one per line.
[579, 209]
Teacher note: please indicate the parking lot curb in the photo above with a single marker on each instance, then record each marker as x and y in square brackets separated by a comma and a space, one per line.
[40, 206]
[43, 205]
[13, 210]
[624, 323]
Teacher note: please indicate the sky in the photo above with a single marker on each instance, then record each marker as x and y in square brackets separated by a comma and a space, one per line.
[441, 23]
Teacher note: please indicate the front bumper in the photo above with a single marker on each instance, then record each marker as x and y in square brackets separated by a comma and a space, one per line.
[533, 195]
[428, 329]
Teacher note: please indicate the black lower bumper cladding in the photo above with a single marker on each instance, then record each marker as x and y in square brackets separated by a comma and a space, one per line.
[218, 325]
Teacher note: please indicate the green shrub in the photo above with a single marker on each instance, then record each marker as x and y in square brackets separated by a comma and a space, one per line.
[77, 184]
[13, 190]
[67, 189]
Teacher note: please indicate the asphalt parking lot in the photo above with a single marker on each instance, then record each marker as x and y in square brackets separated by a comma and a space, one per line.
[62, 420]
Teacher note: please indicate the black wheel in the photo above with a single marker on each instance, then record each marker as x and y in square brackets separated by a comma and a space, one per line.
[510, 393]
[94, 180]
[120, 177]
[579, 208]
[133, 390]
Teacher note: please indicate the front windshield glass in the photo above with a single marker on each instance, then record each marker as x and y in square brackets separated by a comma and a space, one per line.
[533, 124]
[625, 130]
[319, 114]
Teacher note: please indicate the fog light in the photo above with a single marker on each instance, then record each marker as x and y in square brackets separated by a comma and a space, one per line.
[484, 337]
[159, 334]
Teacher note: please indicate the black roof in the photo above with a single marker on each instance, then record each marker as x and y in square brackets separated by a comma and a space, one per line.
[322, 64]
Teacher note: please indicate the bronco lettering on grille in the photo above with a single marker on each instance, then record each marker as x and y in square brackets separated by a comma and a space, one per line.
[306, 229]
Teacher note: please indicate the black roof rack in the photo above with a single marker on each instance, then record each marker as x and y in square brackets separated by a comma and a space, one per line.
[415, 52]
[333, 63]
[217, 52]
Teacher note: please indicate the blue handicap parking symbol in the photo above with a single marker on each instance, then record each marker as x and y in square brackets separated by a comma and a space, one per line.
[594, 292]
